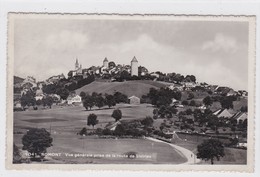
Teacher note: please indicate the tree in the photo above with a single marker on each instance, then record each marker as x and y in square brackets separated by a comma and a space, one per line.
[148, 121]
[36, 141]
[117, 114]
[120, 130]
[185, 102]
[210, 149]
[110, 100]
[190, 96]
[82, 95]
[192, 103]
[88, 102]
[120, 98]
[63, 92]
[28, 99]
[92, 120]
[243, 109]
[207, 101]
[47, 101]
[111, 64]
[188, 111]
[155, 113]
[100, 101]
[17, 158]
[227, 102]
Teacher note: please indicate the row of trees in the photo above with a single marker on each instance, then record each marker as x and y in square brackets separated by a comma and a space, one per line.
[98, 100]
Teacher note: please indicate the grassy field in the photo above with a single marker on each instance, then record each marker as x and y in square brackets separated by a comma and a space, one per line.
[64, 123]
[129, 88]
[232, 155]
[72, 119]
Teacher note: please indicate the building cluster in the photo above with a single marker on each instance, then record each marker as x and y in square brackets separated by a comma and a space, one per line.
[108, 68]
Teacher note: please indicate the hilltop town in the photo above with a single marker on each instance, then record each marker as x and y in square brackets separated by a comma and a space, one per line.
[59, 88]
[156, 104]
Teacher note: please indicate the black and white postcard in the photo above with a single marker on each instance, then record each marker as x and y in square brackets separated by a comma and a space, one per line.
[139, 92]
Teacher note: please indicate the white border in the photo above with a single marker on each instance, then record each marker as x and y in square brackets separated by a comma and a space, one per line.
[153, 7]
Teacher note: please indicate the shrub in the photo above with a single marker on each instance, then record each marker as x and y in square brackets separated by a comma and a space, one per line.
[83, 131]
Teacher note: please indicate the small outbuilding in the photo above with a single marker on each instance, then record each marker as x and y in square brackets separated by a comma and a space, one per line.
[134, 100]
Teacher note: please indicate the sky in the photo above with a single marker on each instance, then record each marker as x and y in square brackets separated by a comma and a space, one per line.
[215, 52]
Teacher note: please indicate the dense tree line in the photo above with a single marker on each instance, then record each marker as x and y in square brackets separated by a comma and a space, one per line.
[99, 100]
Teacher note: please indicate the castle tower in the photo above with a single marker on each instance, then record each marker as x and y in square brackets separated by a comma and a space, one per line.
[134, 67]
[77, 64]
[105, 62]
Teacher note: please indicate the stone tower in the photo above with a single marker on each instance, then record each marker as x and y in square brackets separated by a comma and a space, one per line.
[134, 67]
[105, 62]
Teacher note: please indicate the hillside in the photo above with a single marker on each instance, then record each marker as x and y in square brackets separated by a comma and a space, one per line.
[18, 79]
[129, 88]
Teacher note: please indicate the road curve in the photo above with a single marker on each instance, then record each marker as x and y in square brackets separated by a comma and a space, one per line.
[189, 155]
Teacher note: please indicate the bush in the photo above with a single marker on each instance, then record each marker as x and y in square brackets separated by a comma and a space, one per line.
[83, 131]
[107, 132]
[99, 131]
[185, 102]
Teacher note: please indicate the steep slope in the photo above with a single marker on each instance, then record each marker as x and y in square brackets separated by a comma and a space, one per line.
[129, 88]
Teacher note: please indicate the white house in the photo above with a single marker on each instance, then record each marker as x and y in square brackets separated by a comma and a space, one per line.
[134, 100]
[75, 99]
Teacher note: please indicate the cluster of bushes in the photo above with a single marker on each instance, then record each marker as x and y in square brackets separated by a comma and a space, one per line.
[164, 112]
[162, 96]
[123, 129]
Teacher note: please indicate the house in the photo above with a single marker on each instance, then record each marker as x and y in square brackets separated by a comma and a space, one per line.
[222, 90]
[242, 144]
[54, 79]
[134, 100]
[189, 85]
[176, 87]
[231, 93]
[73, 99]
[29, 81]
[203, 107]
[174, 101]
[155, 74]
[113, 126]
[39, 97]
[222, 113]
[240, 116]
[242, 93]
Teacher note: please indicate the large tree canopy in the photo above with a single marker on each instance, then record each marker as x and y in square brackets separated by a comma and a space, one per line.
[36, 141]
[210, 149]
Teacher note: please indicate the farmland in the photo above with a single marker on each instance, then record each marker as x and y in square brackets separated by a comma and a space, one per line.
[64, 123]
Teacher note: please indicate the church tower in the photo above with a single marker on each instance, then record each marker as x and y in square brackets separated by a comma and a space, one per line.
[77, 64]
[105, 62]
[134, 67]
